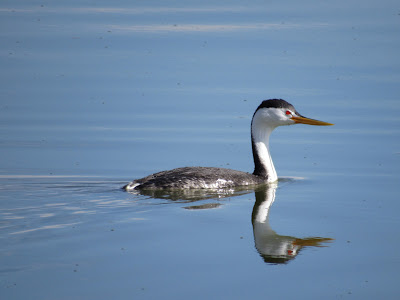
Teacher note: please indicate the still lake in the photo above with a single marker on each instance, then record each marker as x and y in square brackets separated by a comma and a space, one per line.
[95, 94]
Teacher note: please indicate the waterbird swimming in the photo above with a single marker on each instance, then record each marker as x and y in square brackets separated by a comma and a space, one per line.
[268, 115]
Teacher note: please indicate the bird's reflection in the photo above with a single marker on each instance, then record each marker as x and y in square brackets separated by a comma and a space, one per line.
[193, 195]
[273, 247]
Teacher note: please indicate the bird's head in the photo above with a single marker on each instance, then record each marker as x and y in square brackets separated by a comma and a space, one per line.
[277, 112]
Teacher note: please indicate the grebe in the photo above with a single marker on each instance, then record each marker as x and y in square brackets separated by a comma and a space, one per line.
[269, 115]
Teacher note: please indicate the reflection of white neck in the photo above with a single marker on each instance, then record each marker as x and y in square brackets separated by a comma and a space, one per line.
[263, 209]
[268, 243]
[260, 132]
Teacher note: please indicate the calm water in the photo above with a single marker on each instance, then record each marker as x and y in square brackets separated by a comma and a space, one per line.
[94, 94]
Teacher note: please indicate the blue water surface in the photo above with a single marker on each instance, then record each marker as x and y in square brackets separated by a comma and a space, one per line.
[95, 94]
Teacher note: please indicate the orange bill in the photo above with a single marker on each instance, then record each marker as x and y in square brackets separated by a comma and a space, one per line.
[304, 120]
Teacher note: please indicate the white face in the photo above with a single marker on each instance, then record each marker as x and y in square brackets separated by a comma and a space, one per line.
[274, 117]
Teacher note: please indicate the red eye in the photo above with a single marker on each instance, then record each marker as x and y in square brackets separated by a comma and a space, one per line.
[288, 112]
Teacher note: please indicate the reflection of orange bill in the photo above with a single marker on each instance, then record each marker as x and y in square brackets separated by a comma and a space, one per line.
[313, 241]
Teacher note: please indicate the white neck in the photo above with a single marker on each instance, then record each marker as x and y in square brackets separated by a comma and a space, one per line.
[260, 132]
